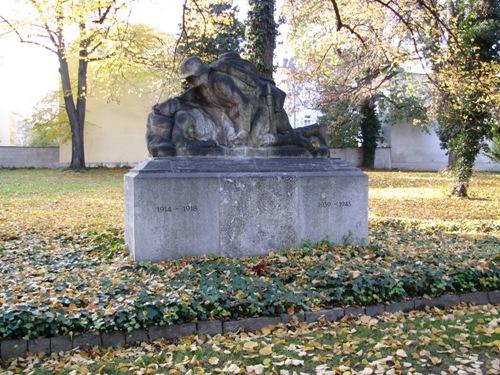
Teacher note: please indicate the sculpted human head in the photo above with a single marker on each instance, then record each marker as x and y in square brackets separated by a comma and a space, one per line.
[192, 69]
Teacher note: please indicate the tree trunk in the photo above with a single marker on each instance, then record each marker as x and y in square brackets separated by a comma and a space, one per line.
[452, 160]
[463, 166]
[262, 34]
[75, 116]
[460, 189]
[269, 47]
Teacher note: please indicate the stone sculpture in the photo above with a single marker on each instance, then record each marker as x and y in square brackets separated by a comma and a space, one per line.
[228, 104]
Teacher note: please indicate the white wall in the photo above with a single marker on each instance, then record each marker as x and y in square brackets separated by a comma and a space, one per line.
[4, 112]
[304, 117]
[29, 157]
[413, 148]
[115, 132]
[4, 127]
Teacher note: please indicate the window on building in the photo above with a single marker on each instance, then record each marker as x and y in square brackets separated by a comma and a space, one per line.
[307, 120]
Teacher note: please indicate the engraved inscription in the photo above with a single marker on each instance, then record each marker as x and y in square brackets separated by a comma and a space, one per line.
[186, 208]
[328, 204]
[164, 209]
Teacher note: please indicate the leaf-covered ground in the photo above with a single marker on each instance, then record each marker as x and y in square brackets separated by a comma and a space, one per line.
[53, 203]
[463, 340]
[63, 266]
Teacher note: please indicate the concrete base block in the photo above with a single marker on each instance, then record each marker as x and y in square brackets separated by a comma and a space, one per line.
[447, 300]
[172, 332]
[287, 318]
[189, 206]
[475, 298]
[209, 327]
[87, 339]
[250, 324]
[404, 306]
[354, 311]
[494, 297]
[60, 344]
[423, 303]
[374, 310]
[13, 348]
[138, 335]
[332, 315]
[39, 345]
[113, 339]
[444, 301]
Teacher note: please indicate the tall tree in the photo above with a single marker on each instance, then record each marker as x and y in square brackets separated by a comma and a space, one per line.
[456, 38]
[209, 28]
[261, 35]
[465, 70]
[144, 65]
[348, 71]
[83, 31]
[370, 128]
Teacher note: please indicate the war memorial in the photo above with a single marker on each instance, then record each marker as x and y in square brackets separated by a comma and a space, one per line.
[228, 175]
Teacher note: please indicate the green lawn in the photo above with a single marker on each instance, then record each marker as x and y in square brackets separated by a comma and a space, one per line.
[59, 227]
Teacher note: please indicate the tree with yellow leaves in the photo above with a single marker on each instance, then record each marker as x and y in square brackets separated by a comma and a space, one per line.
[349, 46]
[80, 33]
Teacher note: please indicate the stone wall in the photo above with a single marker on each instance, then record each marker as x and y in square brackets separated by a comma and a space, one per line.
[398, 158]
[29, 157]
[354, 156]
[417, 148]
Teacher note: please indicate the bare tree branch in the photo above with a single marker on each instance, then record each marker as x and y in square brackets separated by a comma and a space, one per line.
[341, 25]
[23, 40]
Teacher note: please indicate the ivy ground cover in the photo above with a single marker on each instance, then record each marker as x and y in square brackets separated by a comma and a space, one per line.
[63, 267]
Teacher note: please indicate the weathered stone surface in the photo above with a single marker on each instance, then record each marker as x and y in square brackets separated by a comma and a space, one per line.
[475, 298]
[60, 344]
[13, 348]
[229, 103]
[39, 345]
[404, 306]
[178, 207]
[287, 318]
[249, 324]
[172, 332]
[444, 301]
[447, 300]
[138, 335]
[332, 315]
[87, 339]
[374, 310]
[113, 339]
[422, 303]
[494, 297]
[354, 311]
[209, 327]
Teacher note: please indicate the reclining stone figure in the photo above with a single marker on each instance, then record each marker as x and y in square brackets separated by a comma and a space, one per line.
[228, 104]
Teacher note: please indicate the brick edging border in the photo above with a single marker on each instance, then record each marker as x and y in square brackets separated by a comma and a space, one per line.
[20, 348]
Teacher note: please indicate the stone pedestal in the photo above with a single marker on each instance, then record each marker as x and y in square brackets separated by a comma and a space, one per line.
[187, 206]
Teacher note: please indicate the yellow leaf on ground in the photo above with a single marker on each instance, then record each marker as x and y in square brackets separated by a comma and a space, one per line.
[401, 353]
[266, 350]
[213, 361]
[250, 346]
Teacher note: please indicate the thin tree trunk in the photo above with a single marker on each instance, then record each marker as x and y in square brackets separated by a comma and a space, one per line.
[74, 115]
[262, 31]
[269, 47]
[452, 160]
